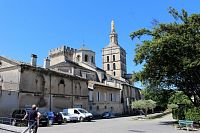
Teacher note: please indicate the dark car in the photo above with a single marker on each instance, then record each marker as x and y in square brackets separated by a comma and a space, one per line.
[44, 120]
[108, 115]
[54, 117]
[17, 115]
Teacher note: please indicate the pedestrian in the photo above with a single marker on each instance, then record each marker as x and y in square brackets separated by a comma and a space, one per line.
[33, 117]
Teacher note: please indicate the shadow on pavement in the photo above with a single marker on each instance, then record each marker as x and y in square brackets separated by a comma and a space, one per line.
[167, 123]
[137, 131]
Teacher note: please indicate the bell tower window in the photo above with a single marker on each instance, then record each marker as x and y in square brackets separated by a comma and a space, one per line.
[92, 59]
[107, 58]
[108, 67]
[113, 57]
[114, 66]
[86, 58]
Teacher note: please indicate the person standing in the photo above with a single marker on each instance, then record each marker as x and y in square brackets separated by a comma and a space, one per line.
[32, 116]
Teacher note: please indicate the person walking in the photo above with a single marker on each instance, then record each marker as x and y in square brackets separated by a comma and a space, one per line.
[33, 117]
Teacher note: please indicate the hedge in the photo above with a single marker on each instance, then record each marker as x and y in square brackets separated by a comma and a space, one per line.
[193, 114]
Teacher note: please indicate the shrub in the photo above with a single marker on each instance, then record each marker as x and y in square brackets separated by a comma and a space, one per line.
[178, 113]
[193, 114]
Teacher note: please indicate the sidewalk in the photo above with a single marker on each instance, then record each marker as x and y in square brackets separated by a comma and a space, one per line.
[10, 129]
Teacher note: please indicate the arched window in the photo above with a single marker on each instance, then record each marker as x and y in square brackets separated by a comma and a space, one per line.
[62, 81]
[107, 58]
[61, 87]
[113, 57]
[77, 88]
[86, 58]
[114, 73]
[114, 67]
[78, 57]
[108, 67]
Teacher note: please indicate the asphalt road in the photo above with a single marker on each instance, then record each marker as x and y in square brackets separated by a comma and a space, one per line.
[117, 125]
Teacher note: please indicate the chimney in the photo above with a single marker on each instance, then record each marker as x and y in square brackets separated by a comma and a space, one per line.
[33, 60]
[46, 63]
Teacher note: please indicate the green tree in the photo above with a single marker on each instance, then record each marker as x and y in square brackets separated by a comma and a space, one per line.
[171, 56]
[144, 104]
[151, 104]
[172, 106]
[159, 95]
[179, 98]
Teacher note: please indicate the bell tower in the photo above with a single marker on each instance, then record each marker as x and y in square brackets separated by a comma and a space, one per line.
[114, 56]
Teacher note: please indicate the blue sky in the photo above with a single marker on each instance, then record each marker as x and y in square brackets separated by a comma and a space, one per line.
[36, 26]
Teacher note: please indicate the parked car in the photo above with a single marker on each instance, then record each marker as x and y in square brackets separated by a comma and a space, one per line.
[81, 113]
[44, 120]
[18, 114]
[54, 117]
[69, 117]
[108, 115]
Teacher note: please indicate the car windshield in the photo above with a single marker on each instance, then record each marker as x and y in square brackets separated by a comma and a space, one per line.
[82, 111]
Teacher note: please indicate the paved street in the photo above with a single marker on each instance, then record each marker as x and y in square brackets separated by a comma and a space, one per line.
[117, 125]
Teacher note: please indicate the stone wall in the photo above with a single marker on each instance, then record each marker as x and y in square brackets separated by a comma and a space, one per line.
[9, 79]
[8, 102]
[52, 91]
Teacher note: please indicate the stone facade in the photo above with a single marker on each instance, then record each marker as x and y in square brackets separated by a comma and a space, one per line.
[49, 89]
[104, 98]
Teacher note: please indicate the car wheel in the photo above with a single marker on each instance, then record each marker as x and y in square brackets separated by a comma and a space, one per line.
[14, 122]
[81, 119]
[65, 120]
[44, 124]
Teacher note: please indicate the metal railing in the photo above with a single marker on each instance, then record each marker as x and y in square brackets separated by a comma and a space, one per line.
[30, 127]
[6, 120]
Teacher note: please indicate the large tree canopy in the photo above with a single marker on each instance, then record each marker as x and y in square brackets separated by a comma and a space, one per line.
[171, 57]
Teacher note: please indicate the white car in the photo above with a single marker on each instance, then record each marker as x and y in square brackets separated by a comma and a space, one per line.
[69, 117]
[81, 113]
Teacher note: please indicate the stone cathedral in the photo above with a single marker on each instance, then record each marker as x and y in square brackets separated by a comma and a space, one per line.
[69, 78]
